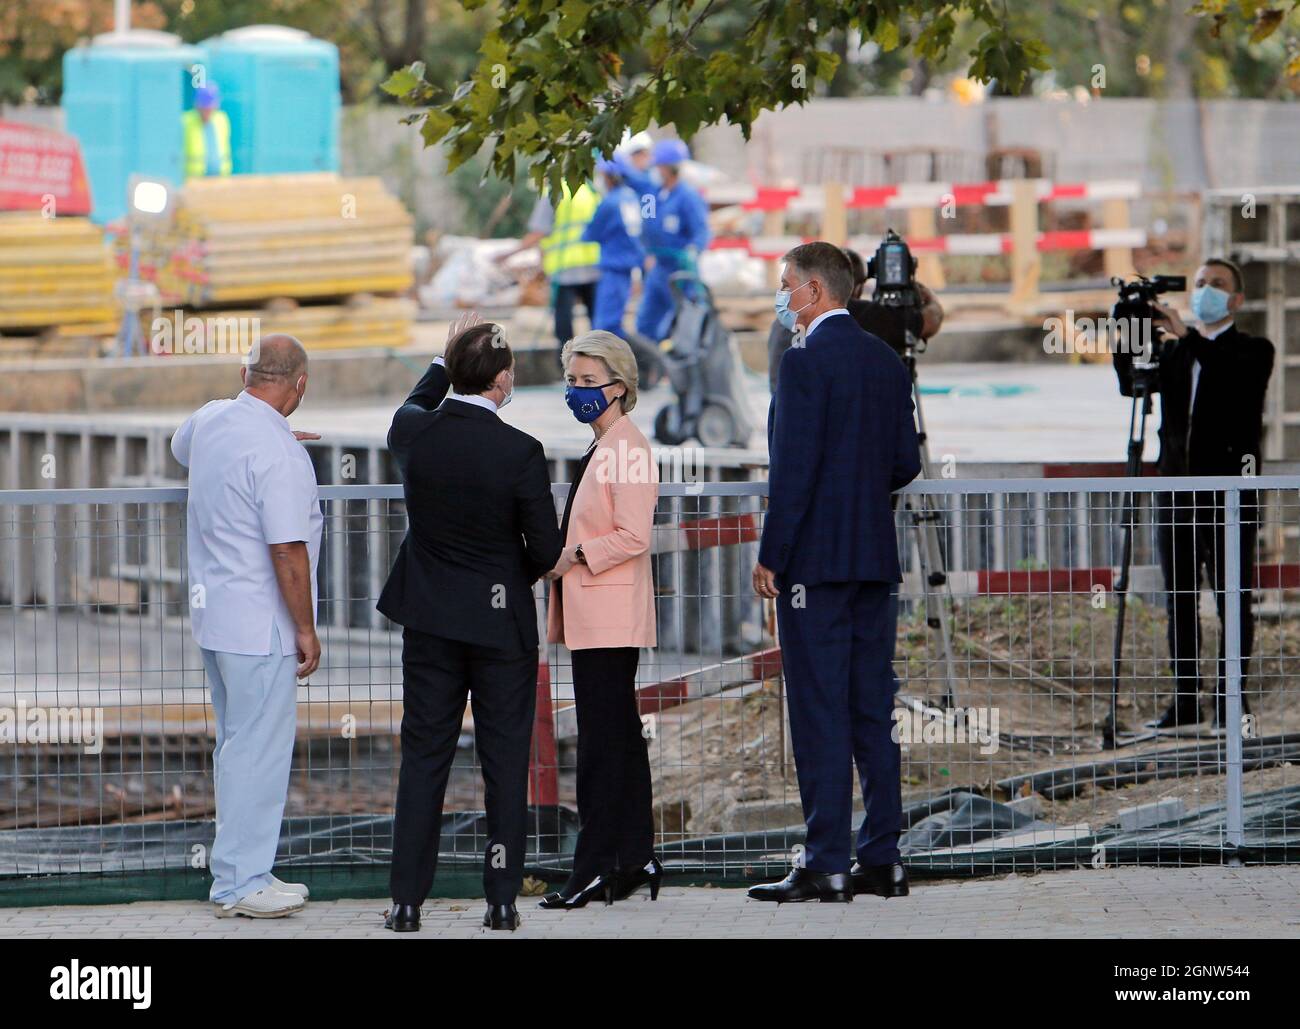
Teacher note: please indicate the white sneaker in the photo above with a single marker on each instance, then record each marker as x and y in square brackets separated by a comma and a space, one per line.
[267, 902]
[300, 889]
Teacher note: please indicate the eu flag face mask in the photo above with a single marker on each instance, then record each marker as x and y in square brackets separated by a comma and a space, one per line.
[1209, 304]
[587, 402]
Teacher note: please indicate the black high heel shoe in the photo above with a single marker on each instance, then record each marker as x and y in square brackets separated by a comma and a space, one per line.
[604, 885]
[556, 900]
[632, 879]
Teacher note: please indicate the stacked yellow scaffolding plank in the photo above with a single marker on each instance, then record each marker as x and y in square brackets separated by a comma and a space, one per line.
[243, 240]
[258, 237]
[55, 273]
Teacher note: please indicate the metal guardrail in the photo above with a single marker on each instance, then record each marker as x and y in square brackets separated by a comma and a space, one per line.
[1004, 671]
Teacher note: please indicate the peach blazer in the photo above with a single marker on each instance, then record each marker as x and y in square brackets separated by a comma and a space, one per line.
[609, 601]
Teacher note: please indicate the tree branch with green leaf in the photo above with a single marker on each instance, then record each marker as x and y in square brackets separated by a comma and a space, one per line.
[550, 88]
[549, 91]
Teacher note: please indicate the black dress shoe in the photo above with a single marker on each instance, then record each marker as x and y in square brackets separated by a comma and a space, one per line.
[1221, 711]
[632, 879]
[1176, 714]
[501, 916]
[880, 880]
[403, 918]
[802, 884]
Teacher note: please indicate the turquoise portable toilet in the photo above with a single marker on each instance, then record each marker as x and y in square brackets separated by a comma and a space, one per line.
[280, 88]
[123, 96]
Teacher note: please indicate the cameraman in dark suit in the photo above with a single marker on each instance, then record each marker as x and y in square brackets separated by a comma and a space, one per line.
[889, 323]
[482, 530]
[1212, 382]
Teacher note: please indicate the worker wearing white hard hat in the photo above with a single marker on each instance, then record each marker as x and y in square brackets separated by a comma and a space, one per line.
[635, 151]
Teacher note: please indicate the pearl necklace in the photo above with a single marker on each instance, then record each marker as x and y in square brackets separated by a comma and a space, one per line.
[610, 426]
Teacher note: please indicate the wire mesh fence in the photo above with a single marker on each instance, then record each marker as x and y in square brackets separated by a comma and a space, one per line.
[1024, 729]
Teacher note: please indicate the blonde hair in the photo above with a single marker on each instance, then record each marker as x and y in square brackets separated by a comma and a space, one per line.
[613, 352]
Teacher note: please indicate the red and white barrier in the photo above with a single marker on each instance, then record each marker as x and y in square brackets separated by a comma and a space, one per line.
[771, 248]
[997, 193]
[706, 533]
[1047, 581]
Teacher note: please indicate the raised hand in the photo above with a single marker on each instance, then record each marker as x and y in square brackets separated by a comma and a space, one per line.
[466, 321]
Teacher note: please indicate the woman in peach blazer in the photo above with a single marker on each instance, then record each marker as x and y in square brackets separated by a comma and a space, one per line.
[602, 608]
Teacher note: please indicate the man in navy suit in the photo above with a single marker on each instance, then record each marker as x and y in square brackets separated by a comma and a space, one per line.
[841, 439]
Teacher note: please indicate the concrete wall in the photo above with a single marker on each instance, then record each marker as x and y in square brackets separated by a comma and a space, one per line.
[148, 383]
[1185, 146]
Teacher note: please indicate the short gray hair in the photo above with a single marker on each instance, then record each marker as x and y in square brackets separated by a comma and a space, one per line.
[277, 357]
[826, 263]
[614, 352]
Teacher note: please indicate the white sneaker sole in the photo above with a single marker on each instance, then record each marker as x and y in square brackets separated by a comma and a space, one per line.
[224, 912]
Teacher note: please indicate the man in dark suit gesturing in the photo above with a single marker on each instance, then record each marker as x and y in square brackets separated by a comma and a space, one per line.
[482, 530]
[841, 439]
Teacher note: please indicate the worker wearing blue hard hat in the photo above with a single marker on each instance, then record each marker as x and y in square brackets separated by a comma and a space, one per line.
[616, 226]
[669, 152]
[205, 135]
[676, 230]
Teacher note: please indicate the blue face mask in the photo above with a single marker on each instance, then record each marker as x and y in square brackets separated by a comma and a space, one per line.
[788, 318]
[1209, 304]
[587, 402]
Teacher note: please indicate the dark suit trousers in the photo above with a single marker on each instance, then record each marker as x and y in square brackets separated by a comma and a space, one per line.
[565, 297]
[1190, 536]
[614, 793]
[437, 676]
[838, 650]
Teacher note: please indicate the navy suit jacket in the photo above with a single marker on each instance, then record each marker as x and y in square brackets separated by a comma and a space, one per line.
[841, 438]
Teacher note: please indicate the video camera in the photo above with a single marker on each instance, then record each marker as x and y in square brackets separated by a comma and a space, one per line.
[1136, 306]
[894, 269]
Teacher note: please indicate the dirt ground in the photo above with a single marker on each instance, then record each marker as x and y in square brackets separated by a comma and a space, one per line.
[722, 763]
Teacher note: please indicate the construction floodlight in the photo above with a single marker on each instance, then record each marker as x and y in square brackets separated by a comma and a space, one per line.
[149, 197]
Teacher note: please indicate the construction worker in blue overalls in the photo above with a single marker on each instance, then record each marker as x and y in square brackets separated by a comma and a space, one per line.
[616, 226]
[675, 231]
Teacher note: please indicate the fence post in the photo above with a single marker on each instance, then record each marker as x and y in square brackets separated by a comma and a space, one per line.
[834, 215]
[773, 225]
[1233, 572]
[1116, 260]
[921, 225]
[1026, 264]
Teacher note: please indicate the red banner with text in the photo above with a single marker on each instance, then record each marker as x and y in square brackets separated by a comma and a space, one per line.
[41, 170]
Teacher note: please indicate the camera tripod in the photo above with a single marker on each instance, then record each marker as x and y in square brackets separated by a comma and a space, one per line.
[1137, 434]
[924, 517]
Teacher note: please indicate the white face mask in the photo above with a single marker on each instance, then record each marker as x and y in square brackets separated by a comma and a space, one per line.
[509, 396]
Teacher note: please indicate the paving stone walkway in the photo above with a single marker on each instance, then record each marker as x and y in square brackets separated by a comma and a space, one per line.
[1118, 902]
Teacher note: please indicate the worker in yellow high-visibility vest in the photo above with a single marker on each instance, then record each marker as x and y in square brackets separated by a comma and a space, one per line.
[205, 134]
[572, 265]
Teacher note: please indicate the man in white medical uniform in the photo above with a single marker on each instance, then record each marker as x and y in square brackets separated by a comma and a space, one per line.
[253, 536]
